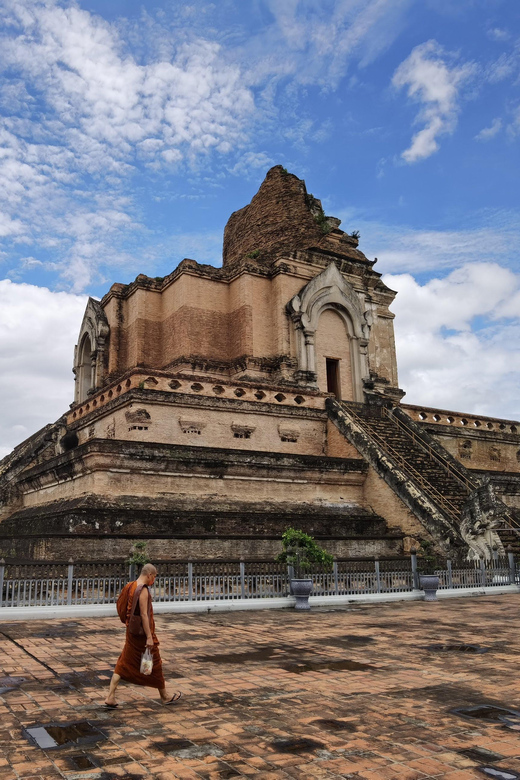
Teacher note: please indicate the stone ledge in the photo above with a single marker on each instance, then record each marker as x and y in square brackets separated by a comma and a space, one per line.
[209, 456]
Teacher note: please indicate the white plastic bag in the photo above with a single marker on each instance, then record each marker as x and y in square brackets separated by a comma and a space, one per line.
[146, 662]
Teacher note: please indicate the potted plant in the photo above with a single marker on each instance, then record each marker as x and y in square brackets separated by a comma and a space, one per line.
[427, 565]
[138, 557]
[301, 552]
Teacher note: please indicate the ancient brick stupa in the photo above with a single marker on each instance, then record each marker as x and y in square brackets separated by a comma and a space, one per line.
[216, 406]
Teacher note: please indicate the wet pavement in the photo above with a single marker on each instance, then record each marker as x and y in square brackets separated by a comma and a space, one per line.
[381, 691]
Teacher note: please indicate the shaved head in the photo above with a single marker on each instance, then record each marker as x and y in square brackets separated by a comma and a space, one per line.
[148, 570]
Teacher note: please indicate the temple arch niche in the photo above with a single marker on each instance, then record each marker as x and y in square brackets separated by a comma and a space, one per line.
[90, 354]
[84, 368]
[331, 325]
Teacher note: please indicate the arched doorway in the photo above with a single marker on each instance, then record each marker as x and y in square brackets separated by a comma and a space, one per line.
[333, 355]
[90, 353]
[84, 368]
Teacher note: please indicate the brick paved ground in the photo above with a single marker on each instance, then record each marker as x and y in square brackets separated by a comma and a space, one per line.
[253, 681]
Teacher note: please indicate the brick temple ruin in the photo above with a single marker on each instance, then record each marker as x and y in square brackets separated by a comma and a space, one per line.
[215, 407]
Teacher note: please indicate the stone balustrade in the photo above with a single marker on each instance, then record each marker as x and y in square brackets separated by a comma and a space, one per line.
[188, 385]
[443, 417]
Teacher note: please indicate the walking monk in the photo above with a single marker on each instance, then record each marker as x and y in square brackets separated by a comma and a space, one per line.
[129, 662]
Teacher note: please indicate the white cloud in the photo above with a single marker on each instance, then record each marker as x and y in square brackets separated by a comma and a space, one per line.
[252, 161]
[487, 133]
[88, 115]
[504, 67]
[457, 339]
[38, 330]
[314, 42]
[432, 82]
[498, 34]
[492, 236]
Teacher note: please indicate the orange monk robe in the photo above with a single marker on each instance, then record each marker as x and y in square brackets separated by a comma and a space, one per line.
[129, 661]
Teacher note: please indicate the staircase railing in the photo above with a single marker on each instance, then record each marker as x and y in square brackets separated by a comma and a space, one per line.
[428, 488]
[510, 520]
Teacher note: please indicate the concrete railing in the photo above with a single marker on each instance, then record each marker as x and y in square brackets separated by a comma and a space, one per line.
[234, 581]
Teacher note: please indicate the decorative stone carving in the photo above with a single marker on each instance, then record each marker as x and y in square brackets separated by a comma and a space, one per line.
[242, 431]
[465, 448]
[137, 416]
[289, 433]
[495, 454]
[191, 426]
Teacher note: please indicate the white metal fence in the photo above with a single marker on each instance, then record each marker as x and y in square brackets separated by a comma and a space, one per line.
[51, 584]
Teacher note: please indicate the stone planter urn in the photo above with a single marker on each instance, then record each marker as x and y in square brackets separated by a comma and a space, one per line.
[429, 583]
[301, 590]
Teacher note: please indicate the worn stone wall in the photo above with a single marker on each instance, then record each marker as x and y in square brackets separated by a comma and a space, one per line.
[480, 443]
[148, 416]
[381, 499]
[200, 501]
[114, 470]
[337, 445]
[115, 549]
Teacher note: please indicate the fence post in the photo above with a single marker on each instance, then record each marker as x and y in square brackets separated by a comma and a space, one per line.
[131, 572]
[483, 571]
[450, 576]
[242, 580]
[512, 572]
[336, 579]
[70, 575]
[378, 575]
[190, 581]
[2, 573]
[495, 555]
[290, 576]
[415, 576]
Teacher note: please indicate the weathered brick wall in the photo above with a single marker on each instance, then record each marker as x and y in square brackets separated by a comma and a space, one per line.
[337, 444]
[293, 431]
[279, 218]
[109, 549]
[480, 450]
[198, 502]
[381, 499]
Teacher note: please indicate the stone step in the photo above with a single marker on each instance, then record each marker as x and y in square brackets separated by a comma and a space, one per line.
[391, 437]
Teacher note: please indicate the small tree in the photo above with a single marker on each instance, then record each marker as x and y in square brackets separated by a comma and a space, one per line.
[428, 561]
[302, 553]
[138, 554]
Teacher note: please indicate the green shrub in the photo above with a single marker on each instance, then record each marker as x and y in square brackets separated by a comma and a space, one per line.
[428, 562]
[138, 554]
[322, 221]
[302, 553]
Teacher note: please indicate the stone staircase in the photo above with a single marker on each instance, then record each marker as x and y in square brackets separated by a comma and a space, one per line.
[443, 495]
[509, 533]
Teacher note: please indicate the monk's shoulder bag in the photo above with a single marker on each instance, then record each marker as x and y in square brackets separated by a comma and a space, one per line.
[135, 624]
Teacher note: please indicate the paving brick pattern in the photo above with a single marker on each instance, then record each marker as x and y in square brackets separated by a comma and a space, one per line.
[343, 693]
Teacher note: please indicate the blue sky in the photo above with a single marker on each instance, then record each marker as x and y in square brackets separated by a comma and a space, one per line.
[131, 131]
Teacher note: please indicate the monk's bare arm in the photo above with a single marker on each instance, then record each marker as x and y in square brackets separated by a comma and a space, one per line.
[143, 608]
